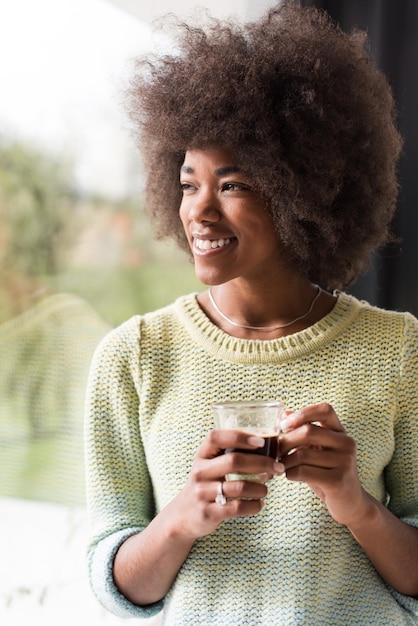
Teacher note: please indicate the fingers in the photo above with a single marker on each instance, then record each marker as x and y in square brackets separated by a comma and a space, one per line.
[212, 464]
[216, 441]
[219, 500]
[236, 463]
[239, 508]
[313, 436]
[321, 414]
[236, 460]
[235, 508]
[202, 505]
[316, 450]
[315, 476]
[314, 426]
[241, 498]
[306, 458]
[233, 490]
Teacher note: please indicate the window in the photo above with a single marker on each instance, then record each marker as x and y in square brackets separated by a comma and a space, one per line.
[76, 259]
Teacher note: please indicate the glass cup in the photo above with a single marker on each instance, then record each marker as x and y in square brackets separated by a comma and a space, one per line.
[258, 417]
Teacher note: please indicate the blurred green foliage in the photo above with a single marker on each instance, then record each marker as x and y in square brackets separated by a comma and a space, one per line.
[71, 267]
[119, 293]
[35, 209]
[98, 248]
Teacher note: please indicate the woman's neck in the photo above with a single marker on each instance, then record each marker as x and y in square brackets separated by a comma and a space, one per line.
[257, 312]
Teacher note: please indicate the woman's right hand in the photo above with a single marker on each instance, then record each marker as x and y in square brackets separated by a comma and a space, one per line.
[198, 512]
[147, 563]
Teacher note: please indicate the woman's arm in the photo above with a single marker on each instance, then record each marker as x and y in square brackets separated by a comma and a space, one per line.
[146, 564]
[316, 450]
[390, 544]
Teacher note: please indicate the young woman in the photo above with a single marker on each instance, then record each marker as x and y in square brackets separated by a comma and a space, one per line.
[270, 150]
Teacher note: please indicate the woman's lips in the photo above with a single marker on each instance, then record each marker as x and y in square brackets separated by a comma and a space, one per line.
[202, 247]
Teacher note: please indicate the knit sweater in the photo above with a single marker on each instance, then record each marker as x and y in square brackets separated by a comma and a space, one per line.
[45, 354]
[152, 383]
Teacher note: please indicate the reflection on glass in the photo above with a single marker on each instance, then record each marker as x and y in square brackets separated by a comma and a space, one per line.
[46, 339]
[76, 258]
[71, 266]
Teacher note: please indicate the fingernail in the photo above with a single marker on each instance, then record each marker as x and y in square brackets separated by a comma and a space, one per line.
[256, 441]
[285, 424]
[279, 468]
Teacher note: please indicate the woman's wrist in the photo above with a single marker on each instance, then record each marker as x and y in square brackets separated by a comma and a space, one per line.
[364, 515]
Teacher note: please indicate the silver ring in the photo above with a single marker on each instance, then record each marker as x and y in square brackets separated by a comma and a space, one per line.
[220, 498]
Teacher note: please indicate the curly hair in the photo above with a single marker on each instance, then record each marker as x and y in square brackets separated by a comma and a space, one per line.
[306, 113]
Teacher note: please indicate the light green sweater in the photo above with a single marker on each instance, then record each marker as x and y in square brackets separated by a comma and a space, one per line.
[152, 384]
[45, 354]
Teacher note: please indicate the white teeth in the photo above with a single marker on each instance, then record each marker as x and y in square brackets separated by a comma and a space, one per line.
[207, 244]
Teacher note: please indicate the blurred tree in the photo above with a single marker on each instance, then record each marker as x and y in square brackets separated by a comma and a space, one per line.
[47, 339]
[35, 202]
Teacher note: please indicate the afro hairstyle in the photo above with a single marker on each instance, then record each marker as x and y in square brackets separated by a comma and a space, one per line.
[306, 113]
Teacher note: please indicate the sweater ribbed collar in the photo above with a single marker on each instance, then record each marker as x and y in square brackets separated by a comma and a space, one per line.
[253, 351]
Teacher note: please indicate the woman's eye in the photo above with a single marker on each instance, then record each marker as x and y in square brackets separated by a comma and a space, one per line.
[185, 187]
[235, 187]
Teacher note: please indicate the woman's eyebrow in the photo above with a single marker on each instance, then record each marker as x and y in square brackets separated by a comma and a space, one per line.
[220, 171]
[228, 169]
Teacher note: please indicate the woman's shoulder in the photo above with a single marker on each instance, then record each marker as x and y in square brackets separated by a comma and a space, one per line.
[170, 312]
[128, 333]
[365, 307]
[382, 322]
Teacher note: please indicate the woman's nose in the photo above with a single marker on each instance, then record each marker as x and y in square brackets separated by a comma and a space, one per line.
[204, 207]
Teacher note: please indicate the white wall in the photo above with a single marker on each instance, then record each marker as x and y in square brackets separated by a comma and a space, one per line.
[147, 11]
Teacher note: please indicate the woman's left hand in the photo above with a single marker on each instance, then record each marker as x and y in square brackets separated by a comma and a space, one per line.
[316, 449]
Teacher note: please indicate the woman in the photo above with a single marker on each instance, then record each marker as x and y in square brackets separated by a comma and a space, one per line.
[275, 144]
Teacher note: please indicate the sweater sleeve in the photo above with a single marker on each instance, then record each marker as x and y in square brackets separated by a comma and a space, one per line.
[402, 472]
[119, 490]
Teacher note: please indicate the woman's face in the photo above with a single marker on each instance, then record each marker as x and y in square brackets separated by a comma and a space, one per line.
[230, 233]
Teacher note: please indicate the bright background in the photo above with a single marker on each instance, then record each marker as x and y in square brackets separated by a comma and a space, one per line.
[77, 257]
[68, 168]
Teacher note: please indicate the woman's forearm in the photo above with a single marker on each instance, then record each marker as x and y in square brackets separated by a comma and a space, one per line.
[146, 564]
[391, 545]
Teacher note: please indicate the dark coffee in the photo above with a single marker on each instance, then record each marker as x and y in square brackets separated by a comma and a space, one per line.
[270, 448]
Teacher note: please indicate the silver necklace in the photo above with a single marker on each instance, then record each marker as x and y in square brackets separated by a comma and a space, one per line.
[263, 328]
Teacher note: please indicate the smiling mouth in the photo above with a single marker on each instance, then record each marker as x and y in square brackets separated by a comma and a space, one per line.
[211, 244]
